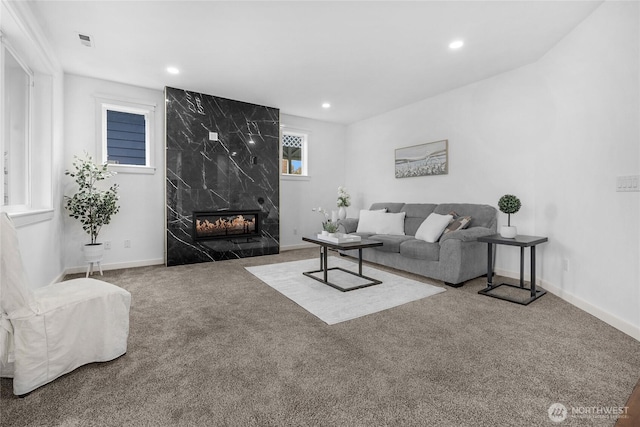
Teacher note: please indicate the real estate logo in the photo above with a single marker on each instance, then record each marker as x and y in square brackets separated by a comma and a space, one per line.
[557, 412]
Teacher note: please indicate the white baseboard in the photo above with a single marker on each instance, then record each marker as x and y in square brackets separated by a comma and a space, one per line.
[620, 324]
[612, 320]
[115, 266]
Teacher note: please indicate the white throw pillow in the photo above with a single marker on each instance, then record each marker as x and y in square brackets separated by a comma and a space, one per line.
[381, 222]
[432, 227]
[391, 223]
[368, 220]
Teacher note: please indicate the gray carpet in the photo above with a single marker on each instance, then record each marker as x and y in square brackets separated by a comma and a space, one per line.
[211, 345]
[331, 305]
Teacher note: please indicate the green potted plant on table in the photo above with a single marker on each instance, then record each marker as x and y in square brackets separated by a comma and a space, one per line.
[328, 226]
[92, 206]
[509, 204]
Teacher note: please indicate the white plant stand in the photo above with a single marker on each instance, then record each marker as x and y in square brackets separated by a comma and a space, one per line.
[93, 254]
[90, 268]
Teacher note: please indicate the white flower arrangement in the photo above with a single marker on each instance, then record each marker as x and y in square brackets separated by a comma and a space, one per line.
[344, 199]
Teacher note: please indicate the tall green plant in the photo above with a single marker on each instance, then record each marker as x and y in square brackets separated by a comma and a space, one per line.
[92, 206]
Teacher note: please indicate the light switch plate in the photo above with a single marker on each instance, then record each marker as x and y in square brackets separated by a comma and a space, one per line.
[628, 183]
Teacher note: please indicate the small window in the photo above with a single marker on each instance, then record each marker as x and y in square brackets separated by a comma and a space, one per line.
[126, 138]
[294, 153]
[126, 135]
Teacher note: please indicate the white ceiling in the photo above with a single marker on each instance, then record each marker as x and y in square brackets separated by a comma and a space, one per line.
[364, 57]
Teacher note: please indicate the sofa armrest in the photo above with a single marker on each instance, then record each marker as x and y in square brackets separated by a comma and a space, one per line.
[468, 234]
[348, 225]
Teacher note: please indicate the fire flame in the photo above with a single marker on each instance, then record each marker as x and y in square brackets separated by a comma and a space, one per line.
[222, 226]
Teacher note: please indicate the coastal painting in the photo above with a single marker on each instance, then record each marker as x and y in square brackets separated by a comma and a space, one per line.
[423, 160]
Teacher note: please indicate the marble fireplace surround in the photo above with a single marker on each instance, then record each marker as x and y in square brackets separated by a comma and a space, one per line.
[221, 156]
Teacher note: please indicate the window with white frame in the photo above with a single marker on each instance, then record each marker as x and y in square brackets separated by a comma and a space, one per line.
[293, 158]
[16, 129]
[29, 76]
[126, 135]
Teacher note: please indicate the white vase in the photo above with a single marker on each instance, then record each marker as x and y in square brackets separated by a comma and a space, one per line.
[325, 233]
[508, 232]
[93, 252]
[342, 212]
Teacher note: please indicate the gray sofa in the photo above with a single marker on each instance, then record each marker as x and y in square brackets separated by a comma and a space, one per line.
[454, 259]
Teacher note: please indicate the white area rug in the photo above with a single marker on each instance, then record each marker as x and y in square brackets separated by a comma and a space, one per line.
[329, 304]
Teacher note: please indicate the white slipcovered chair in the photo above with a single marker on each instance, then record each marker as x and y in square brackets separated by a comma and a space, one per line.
[52, 330]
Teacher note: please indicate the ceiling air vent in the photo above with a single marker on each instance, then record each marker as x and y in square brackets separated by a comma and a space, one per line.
[85, 40]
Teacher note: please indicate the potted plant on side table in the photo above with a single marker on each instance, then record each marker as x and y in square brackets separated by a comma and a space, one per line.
[92, 206]
[509, 204]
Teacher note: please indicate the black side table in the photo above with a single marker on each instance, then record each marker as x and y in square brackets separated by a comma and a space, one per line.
[522, 242]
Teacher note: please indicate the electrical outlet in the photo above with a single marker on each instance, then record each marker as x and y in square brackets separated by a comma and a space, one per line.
[107, 245]
[565, 264]
[295, 231]
[127, 244]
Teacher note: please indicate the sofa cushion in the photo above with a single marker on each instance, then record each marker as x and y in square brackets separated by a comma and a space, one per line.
[348, 225]
[415, 216]
[364, 235]
[419, 249]
[389, 243]
[432, 227]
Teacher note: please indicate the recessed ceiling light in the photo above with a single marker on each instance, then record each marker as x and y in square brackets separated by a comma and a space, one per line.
[173, 70]
[456, 44]
[326, 105]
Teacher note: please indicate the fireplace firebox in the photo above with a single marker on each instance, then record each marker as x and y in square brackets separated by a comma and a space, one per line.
[225, 224]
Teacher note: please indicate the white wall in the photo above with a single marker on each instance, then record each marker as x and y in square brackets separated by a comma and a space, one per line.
[298, 195]
[556, 133]
[593, 76]
[141, 217]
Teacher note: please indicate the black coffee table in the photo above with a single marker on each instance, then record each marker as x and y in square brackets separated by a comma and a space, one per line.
[325, 245]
